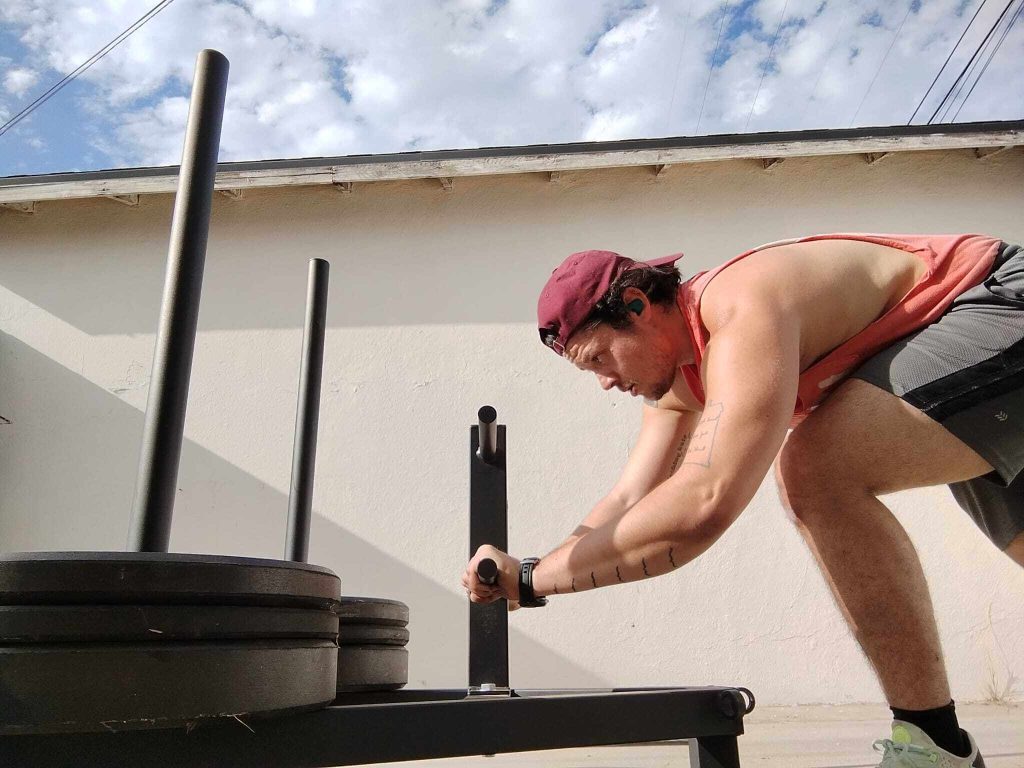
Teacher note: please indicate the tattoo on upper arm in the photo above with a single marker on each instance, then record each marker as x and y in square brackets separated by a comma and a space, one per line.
[618, 575]
[593, 580]
[670, 558]
[703, 441]
[644, 561]
[574, 584]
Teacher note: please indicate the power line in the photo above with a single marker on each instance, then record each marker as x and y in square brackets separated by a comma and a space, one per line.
[882, 64]
[821, 71]
[679, 64]
[711, 66]
[764, 71]
[979, 54]
[943, 67]
[957, 85]
[84, 66]
[991, 56]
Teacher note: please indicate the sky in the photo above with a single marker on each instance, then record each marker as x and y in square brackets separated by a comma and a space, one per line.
[314, 78]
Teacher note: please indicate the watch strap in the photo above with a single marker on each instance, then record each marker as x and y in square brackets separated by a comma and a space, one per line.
[527, 598]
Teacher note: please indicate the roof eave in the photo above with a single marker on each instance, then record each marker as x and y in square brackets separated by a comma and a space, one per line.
[490, 161]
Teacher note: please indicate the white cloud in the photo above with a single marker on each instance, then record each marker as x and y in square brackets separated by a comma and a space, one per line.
[608, 126]
[333, 77]
[17, 81]
[371, 88]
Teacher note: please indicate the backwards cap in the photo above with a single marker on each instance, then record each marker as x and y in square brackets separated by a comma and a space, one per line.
[576, 286]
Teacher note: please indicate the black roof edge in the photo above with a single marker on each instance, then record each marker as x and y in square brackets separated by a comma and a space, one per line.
[575, 148]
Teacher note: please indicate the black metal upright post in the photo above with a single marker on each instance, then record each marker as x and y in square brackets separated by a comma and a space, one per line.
[488, 524]
[172, 360]
[307, 415]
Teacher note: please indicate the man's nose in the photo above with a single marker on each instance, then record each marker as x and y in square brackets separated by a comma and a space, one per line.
[607, 382]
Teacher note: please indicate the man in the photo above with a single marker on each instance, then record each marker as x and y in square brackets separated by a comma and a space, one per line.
[899, 363]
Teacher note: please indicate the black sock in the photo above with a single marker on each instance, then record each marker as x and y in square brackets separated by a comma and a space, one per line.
[941, 726]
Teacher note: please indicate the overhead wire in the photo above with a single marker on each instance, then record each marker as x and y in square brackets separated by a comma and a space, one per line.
[950, 56]
[38, 102]
[764, 71]
[973, 67]
[871, 85]
[957, 86]
[991, 56]
[711, 66]
[679, 65]
[839, 29]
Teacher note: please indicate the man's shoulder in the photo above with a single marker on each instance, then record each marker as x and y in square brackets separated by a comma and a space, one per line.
[760, 282]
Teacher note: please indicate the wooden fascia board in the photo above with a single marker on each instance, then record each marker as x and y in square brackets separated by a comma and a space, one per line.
[494, 166]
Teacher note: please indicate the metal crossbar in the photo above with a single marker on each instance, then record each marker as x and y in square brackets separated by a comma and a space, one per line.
[412, 725]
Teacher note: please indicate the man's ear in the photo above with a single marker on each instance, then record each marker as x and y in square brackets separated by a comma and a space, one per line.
[635, 300]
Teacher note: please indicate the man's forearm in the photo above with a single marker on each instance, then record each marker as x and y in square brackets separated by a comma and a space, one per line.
[607, 510]
[653, 538]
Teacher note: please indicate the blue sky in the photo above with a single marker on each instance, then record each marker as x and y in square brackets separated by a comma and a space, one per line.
[334, 77]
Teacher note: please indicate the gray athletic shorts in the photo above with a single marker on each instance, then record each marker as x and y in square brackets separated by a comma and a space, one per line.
[966, 371]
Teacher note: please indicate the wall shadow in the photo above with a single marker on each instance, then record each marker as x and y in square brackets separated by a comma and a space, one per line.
[69, 456]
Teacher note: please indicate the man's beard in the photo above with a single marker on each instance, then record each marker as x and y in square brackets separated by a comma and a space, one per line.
[661, 389]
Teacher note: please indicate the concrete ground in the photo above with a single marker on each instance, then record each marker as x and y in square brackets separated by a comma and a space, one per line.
[782, 737]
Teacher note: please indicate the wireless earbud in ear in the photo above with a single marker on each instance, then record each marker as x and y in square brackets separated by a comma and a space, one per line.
[635, 306]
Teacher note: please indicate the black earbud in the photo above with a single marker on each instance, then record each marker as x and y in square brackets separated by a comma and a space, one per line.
[635, 306]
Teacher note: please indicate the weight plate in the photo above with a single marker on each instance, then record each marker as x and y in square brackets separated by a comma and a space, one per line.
[153, 578]
[372, 634]
[372, 668]
[122, 686]
[372, 610]
[110, 623]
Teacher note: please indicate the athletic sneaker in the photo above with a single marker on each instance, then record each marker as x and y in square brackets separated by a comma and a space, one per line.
[910, 747]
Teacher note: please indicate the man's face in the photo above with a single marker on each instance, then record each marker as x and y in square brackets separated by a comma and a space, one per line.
[638, 360]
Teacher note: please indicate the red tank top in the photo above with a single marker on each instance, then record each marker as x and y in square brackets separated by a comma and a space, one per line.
[953, 263]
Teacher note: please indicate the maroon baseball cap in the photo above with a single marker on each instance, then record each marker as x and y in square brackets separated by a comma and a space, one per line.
[576, 286]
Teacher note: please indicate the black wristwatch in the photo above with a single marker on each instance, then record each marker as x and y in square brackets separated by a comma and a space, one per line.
[526, 597]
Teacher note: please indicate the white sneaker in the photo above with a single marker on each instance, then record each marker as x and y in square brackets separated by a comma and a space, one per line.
[910, 747]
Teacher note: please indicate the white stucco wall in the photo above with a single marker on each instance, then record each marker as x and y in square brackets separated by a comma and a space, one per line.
[431, 316]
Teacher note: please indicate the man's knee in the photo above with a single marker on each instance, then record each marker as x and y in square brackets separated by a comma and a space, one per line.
[810, 473]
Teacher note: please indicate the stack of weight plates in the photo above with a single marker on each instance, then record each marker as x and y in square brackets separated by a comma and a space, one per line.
[114, 640]
[372, 636]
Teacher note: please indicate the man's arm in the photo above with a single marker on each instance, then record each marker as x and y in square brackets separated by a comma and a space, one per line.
[751, 368]
[664, 435]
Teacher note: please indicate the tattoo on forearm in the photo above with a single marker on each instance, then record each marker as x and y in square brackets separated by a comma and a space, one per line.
[679, 453]
[593, 580]
[700, 449]
[670, 558]
[618, 575]
[644, 561]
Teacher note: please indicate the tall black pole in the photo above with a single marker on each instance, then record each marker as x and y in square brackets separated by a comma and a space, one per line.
[488, 524]
[307, 416]
[172, 360]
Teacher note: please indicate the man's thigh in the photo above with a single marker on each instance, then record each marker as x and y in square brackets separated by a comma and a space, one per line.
[865, 436]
